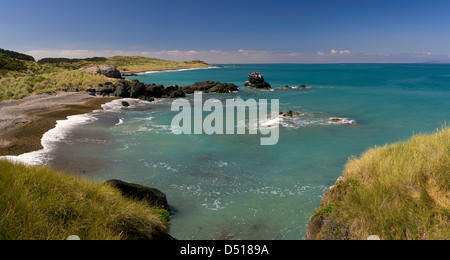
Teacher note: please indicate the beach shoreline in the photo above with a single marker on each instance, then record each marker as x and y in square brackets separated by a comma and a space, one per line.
[24, 122]
[153, 70]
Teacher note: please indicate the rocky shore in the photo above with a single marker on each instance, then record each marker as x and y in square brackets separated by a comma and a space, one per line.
[136, 89]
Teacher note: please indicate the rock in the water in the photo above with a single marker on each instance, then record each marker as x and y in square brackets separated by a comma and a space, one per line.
[290, 113]
[154, 91]
[107, 70]
[211, 87]
[256, 80]
[342, 121]
[125, 104]
[152, 196]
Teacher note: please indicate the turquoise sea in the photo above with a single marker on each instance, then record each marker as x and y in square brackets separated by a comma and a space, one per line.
[230, 187]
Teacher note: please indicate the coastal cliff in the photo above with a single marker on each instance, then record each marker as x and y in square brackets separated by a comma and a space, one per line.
[397, 192]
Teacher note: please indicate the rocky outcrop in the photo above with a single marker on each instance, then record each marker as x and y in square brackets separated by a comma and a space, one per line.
[211, 87]
[152, 196]
[256, 80]
[136, 89]
[107, 70]
[177, 94]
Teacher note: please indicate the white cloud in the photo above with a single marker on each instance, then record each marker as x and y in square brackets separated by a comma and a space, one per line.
[333, 52]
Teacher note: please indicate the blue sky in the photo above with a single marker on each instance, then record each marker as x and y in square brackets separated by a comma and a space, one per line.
[302, 31]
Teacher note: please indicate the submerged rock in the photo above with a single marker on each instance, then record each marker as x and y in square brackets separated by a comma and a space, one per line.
[298, 87]
[342, 121]
[290, 113]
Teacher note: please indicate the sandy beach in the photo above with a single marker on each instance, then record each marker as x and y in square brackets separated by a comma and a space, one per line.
[23, 122]
[159, 69]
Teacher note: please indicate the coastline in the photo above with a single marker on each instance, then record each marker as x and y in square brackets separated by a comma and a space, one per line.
[24, 122]
[153, 70]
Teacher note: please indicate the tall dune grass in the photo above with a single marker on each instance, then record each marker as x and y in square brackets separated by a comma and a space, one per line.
[19, 85]
[41, 204]
[399, 192]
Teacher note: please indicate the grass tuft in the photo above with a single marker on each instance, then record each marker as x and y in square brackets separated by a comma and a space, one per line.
[401, 192]
[38, 203]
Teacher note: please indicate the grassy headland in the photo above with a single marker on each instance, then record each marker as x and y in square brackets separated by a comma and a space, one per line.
[21, 76]
[136, 64]
[398, 192]
[41, 204]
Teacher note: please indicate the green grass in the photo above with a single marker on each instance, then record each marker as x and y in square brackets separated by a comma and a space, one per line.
[398, 192]
[15, 84]
[137, 63]
[38, 203]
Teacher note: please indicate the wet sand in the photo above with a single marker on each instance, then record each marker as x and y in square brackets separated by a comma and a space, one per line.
[24, 122]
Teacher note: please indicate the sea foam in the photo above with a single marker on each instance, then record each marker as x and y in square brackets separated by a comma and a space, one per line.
[51, 138]
[62, 129]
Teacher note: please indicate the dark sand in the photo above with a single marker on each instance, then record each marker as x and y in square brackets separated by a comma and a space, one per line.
[24, 133]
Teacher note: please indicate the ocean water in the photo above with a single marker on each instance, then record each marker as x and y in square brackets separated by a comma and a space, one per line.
[231, 187]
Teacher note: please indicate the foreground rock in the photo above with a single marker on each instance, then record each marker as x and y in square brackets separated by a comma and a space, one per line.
[256, 80]
[107, 70]
[152, 196]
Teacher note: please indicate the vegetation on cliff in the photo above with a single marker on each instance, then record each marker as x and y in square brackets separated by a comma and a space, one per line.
[20, 75]
[41, 204]
[398, 192]
[130, 64]
[16, 55]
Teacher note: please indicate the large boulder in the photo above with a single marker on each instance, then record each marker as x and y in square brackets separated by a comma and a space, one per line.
[107, 70]
[256, 80]
[122, 88]
[177, 94]
[137, 89]
[154, 91]
[152, 196]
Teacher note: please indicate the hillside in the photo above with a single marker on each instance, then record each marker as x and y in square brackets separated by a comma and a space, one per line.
[398, 192]
[135, 64]
[20, 75]
[41, 204]
[16, 55]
